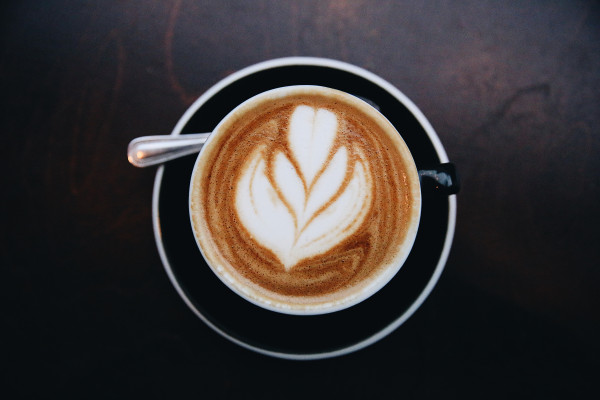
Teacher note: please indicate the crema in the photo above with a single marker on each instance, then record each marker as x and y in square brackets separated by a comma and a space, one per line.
[305, 199]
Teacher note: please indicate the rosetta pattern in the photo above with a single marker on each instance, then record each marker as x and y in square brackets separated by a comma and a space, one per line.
[303, 202]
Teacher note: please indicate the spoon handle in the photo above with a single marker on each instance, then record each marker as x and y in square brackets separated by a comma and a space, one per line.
[151, 150]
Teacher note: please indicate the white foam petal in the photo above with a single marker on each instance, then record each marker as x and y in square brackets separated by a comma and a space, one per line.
[311, 136]
[345, 215]
[262, 213]
[289, 183]
[327, 184]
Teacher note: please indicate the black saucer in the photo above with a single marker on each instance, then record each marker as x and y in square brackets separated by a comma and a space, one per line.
[302, 337]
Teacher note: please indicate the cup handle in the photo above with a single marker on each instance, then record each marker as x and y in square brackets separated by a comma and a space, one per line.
[443, 178]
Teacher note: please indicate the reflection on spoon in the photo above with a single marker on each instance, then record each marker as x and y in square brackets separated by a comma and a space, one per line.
[152, 150]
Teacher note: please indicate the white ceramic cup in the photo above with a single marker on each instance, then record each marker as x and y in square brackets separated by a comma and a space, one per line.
[247, 289]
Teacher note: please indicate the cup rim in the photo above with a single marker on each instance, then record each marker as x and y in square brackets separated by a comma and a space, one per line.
[380, 280]
[433, 138]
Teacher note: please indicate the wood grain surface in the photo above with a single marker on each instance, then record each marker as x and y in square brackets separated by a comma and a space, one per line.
[512, 89]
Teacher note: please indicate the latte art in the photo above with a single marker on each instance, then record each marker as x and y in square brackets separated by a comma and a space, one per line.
[303, 205]
[305, 200]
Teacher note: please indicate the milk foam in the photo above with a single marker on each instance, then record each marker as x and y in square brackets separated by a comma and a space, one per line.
[310, 202]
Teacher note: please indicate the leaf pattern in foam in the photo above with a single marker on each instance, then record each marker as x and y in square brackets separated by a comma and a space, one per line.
[311, 136]
[297, 232]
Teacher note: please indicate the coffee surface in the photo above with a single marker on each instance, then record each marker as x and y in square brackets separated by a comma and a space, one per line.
[304, 199]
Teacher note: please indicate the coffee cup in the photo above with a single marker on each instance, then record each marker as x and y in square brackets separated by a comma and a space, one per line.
[329, 334]
[305, 200]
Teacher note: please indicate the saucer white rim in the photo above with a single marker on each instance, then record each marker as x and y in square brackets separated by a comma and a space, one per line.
[290, 61]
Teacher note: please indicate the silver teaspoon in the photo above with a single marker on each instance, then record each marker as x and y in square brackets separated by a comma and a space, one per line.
[152, 150]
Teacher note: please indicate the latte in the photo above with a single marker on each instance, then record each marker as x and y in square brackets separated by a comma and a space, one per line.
[305, 200]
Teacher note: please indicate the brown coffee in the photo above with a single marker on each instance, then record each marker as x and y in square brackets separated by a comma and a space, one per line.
[305, 199]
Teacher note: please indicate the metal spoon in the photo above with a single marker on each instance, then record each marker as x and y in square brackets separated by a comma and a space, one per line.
[152, 150]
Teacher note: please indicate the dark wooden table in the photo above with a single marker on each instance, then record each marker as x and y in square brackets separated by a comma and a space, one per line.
[512, 89]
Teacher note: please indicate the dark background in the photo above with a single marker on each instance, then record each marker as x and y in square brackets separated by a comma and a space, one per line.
[512, 89]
